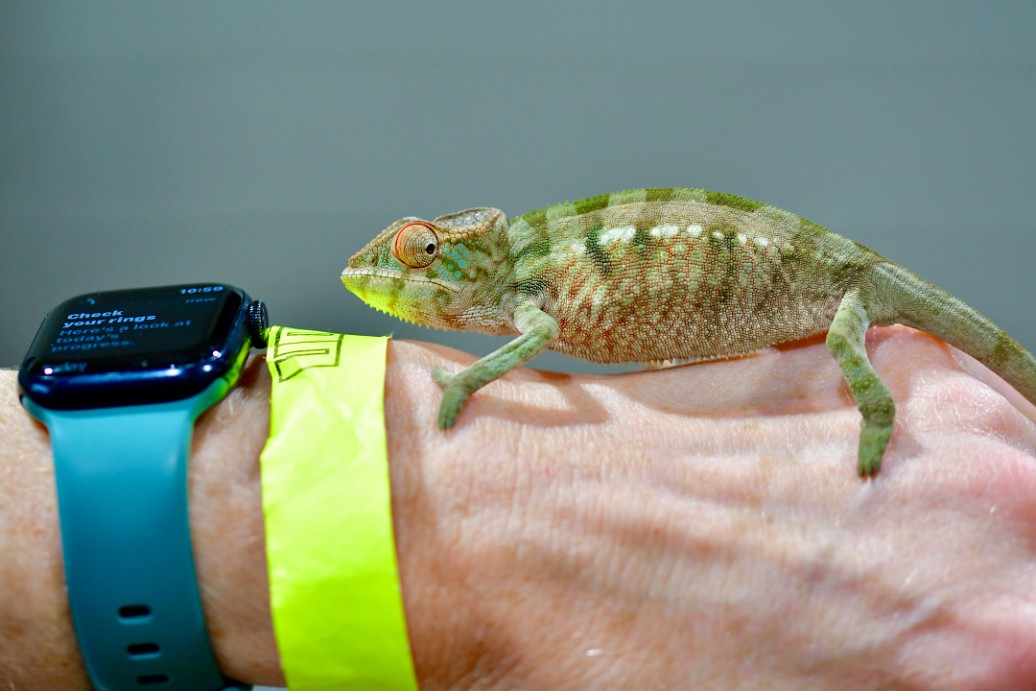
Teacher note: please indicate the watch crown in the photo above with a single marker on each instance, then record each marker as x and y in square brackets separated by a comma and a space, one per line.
[258, 323]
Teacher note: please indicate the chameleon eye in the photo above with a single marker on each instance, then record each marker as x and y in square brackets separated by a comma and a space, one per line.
[416, 245]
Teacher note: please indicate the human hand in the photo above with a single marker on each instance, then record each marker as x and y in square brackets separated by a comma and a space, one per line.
[704, 527]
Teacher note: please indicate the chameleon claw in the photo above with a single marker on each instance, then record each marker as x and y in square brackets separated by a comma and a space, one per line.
[447, 416]
[454, 396]
[873, 441]
[456, 390]
[453, 399]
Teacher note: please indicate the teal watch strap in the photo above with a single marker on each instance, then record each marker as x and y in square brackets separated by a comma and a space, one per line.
[121, 477]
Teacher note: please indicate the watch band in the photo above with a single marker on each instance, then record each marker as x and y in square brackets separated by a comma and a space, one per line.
[121, 476]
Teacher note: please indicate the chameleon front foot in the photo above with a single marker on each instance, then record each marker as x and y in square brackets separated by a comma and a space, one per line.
[454, 396]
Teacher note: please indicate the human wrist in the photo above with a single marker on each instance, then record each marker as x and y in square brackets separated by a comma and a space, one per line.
[40, 649]
[227, 529]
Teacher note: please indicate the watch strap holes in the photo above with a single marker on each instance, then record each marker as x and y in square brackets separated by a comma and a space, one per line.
[153, 680]
[134, 614]
[143, 650]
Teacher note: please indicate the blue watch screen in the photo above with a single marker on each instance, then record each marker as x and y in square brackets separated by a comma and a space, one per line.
[132, 323]
[129, 341]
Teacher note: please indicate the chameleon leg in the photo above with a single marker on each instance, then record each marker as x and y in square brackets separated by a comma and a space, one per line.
[845, 339]
[538, 330]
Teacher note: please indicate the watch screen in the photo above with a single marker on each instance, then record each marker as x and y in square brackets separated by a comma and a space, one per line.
[133, 343]
[171, 323]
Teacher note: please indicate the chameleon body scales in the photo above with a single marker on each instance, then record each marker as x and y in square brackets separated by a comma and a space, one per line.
[663, 274]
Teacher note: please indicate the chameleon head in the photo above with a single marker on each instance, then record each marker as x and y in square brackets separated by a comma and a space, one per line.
[430, 272]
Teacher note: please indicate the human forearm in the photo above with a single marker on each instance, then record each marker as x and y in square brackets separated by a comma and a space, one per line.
[39, 647]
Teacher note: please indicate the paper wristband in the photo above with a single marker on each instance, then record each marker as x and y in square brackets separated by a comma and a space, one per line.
[334, 587]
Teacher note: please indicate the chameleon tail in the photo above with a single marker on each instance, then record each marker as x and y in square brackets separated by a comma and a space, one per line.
[919, 304]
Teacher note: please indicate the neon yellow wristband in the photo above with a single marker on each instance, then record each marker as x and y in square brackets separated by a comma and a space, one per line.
[334, 586]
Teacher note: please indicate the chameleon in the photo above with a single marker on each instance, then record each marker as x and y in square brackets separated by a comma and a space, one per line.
[664, 274]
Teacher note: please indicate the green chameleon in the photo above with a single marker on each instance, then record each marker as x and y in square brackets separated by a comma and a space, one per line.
[663, 274]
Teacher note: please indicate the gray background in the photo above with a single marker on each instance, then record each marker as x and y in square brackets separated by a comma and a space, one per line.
[263, 143]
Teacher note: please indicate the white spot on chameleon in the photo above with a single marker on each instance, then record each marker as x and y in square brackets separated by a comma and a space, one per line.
[620, 234]
[761, 241]
[718, 235]
[664, 231]
[694, 230]
[742, 238]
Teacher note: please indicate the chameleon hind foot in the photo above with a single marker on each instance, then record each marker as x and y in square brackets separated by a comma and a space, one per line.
[847, 342]
[874, 438]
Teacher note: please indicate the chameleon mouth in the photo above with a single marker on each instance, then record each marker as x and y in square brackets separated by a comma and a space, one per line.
[349, 274]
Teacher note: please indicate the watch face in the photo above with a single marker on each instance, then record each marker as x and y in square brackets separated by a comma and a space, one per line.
[133, 346]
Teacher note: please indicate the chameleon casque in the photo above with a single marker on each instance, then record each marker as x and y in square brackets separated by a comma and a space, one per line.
[663, 274]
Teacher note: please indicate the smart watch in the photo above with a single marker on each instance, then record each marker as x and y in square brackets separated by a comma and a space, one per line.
[118, 378]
